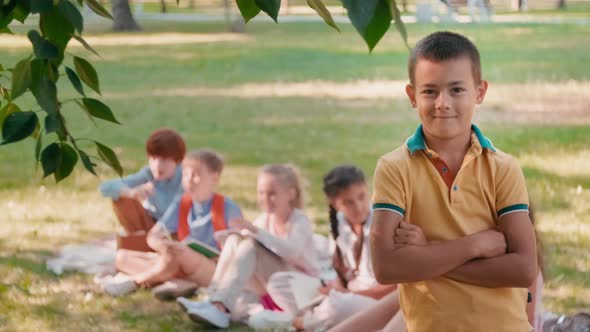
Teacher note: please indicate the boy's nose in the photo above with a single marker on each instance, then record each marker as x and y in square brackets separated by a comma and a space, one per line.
[441, 101]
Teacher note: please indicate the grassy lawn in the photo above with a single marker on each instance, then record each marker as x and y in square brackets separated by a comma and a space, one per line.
[298, 93]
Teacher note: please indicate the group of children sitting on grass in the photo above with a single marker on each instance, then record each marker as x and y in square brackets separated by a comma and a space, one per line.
[448, 238]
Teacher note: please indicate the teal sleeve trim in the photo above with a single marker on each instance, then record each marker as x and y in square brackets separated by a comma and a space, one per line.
[387, 206]
[513, 208]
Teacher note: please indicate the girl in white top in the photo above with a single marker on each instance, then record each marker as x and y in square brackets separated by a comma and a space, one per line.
[280, 239]
[356, 287]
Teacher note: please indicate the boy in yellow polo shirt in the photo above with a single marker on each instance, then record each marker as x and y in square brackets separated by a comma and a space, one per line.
[469, 198]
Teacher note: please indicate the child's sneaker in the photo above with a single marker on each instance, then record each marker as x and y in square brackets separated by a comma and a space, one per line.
[170, 290]
[118, 285]
[268, 320]
[204, 312]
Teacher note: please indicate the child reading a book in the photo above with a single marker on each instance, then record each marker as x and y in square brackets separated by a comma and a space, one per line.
[280, 239]
[191, 219]
[141, 198]
[355, 288]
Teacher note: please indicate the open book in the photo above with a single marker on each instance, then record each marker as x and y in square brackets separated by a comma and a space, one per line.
[202, 248]
[196, 245]
[221, 237]
[305, 291]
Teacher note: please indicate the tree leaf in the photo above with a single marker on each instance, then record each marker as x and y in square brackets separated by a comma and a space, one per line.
[21, 11]
[87, 73]
[98, 8]
[57, 29]
[86, 45]
[21, 78]
[248, 9]
[52, 123]
[371, 18]
[99, 110]
[38, 146]
[66, 164]
[86, 111]
[5, 20]
[43, 88]
[75, 81]
[88, 164]
[399, 25]
[109, 157]
[6, 111]
[72, 14]
[18, 126]
[42, 47]
[50, 158]
[270, 7]
[40, 6]
[324, 13]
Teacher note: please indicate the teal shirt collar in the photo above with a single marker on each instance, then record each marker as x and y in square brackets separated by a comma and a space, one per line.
[416, 141]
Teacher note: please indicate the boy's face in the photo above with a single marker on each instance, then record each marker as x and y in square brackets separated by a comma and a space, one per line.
[445, 94]
[162, 168]
[198, 179]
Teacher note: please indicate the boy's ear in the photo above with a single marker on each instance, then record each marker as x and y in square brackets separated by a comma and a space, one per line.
[481, 91]
[411, 92]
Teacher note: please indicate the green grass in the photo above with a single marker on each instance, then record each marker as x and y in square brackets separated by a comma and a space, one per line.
[312, 130]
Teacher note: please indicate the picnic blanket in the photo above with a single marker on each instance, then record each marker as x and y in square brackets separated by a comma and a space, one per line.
[92, 257]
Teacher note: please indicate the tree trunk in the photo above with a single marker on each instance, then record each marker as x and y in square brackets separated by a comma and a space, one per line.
[122, 18]
[561, 4]
[227, 12]
[163, 6]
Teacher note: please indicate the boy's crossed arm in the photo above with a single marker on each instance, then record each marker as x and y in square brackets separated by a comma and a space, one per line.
[488, 265]
[516, 268]
[416, 263]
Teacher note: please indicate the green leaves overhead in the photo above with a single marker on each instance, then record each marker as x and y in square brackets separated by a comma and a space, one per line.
[109, 157]
[98, 110]
[324, 13]
[270, 7]
[57, 28]
[40, 6]
[58, 159]
[88, 164]
[43, 87]
[21, 78]
[248, 9]
[42, 47]
[18, 126]
[98, 9]
[87, 73]
[85, 44]
[75, 81]
[72, 14]
[399, 25]
[371, 18]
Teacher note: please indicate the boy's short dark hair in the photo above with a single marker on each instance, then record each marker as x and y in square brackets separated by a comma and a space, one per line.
[442, 46]
[166, 143]
[211, 159]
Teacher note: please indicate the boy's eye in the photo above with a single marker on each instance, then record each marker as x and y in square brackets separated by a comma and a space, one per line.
[429, 92]
[457, 90]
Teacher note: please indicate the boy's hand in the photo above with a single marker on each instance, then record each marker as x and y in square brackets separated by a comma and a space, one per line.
[408, 234]
[489, 243]
[143, 191]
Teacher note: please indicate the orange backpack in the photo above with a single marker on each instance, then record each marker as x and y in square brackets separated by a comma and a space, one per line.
[217, 214]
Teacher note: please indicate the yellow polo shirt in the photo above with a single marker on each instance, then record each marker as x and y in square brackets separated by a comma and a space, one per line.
[415, 183]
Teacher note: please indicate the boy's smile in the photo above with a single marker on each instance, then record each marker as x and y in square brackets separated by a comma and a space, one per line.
[445, 94]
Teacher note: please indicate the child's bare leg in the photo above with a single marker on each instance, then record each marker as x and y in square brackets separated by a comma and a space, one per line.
[166, 268]
[196, 267]
[374, 318]
[396, 324]
[134, 262]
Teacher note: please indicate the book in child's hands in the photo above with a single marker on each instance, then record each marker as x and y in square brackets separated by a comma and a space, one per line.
[203, 248]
